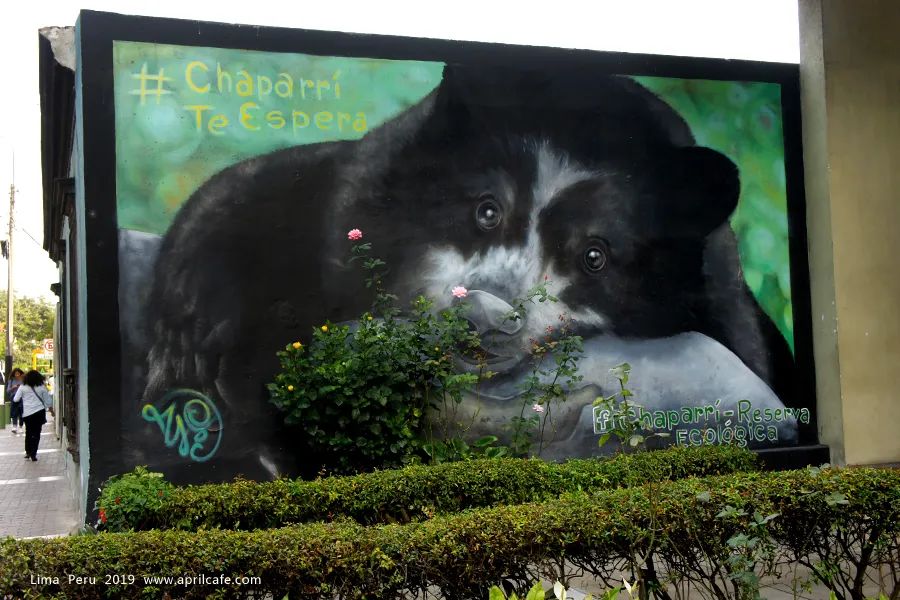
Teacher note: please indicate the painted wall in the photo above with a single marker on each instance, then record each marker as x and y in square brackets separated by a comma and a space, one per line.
[653, 200]
[851, 66]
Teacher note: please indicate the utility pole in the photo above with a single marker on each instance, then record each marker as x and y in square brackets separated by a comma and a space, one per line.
[9, 278]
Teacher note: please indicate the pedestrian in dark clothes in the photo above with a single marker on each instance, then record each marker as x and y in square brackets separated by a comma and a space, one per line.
[15, 408]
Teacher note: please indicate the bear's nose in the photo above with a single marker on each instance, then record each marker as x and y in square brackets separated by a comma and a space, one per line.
[487, 313]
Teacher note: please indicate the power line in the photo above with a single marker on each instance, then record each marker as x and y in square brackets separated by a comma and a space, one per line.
[25, 231]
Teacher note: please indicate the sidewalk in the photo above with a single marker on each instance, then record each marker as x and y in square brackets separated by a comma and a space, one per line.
[34, 496]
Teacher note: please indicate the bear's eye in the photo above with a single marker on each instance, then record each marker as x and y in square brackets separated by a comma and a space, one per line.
[594, 259]
[487, 213]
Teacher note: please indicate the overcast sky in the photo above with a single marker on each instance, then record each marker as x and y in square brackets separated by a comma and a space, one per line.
[750, 29]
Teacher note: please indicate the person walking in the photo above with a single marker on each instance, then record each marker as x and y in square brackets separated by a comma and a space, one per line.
[35, 401]
[15, 408]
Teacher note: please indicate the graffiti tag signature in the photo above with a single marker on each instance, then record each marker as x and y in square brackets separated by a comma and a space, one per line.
[191, 429]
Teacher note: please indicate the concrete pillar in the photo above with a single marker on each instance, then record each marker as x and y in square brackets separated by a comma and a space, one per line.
[850, 90]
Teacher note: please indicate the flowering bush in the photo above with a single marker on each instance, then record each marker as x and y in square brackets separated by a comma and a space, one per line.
[554, 369]
[360, 394]
[387, 390]
[363, 394]
[128, 501]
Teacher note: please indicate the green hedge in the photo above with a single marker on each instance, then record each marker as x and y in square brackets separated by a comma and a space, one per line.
[459, 555]
[140, 502]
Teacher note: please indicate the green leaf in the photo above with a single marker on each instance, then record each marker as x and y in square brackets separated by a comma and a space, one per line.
[730, 511]
[704, 496]
[763, 520]
[739, 541]
[535, 593]
[497, 452]
[495, 593]
[835, 498]
[485, 441]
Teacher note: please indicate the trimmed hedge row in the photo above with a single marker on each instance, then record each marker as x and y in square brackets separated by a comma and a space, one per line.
[460, 555]
[398, 496]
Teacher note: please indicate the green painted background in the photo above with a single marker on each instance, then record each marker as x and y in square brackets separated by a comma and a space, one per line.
[743, 121]
[161, 157]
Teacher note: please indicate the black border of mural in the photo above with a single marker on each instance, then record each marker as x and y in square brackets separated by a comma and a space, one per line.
[98, 30]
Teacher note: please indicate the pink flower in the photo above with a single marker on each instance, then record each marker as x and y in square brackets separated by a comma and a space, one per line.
[459, 292]
[549, 329]
[354, 235]
[537, 408]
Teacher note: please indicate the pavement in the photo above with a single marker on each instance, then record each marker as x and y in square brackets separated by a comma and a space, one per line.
[35, 500]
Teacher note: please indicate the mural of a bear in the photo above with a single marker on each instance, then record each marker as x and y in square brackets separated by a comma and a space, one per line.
[495, 181]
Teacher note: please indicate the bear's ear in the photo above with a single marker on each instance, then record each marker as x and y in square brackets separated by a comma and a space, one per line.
[465, 95]
[485, 86]
[697, 190]
[475, 99]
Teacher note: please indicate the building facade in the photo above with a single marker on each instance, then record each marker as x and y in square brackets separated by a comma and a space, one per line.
[200, 181]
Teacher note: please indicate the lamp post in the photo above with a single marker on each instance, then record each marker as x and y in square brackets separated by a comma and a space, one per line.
[10, 297]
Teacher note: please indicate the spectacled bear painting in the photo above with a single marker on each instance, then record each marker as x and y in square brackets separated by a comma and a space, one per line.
[495, 180]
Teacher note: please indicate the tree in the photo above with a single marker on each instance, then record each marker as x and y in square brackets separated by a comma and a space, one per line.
[33, 323]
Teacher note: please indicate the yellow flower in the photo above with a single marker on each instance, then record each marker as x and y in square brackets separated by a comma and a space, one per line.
[369, 317]
[325, 328]
[290, 388]
[297, 345]
[436, 349]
